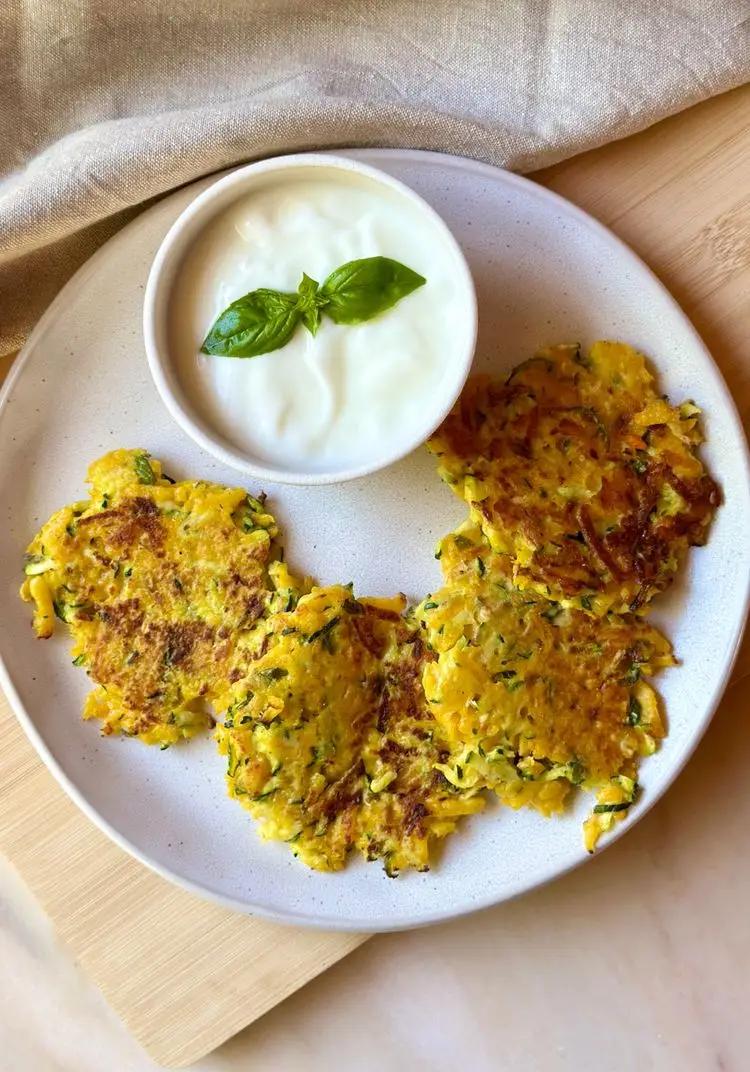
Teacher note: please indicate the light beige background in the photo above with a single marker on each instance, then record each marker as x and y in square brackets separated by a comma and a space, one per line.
[640, 959]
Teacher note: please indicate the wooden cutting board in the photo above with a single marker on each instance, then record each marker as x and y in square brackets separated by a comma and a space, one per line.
[185, 975]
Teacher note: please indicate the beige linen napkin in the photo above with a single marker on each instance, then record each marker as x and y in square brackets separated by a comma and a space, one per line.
[105, 104]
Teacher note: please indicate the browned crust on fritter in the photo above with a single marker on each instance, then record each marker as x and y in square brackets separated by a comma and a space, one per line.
[635, 551]
[134, 520]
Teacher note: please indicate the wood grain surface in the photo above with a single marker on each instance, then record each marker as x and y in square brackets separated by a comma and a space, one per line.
[185, 975]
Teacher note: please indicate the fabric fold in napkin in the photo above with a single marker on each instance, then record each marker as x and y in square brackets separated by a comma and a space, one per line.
[105, 106]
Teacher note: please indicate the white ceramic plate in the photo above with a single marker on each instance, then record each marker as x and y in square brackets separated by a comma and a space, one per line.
[545, 272]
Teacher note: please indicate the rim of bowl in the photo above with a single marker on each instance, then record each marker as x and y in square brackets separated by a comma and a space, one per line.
[162, 276]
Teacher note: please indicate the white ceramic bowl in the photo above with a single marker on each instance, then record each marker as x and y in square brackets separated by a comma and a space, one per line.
[162, 281]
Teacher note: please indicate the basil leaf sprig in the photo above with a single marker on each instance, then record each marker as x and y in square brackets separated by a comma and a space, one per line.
[265, 320]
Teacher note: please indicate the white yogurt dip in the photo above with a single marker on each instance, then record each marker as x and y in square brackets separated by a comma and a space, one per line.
[335, 401]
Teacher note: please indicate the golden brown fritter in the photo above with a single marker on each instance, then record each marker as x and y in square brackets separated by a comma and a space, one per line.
[329, 743]
[158, 583]
[535, 698]
[577, 469]
[350, 726]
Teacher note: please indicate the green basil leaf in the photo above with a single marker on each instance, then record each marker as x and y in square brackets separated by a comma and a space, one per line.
[360, 290]
[143, 469]
[309, 302]
[311, 318]
[257, 323]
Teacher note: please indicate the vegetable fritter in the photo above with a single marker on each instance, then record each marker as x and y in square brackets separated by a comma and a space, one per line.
[351, 726]
[158, 583]
[329, 743]
[582, 473]
[535, 698]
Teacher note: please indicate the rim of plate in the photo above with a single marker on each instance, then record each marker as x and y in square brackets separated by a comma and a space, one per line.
[640, 268]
